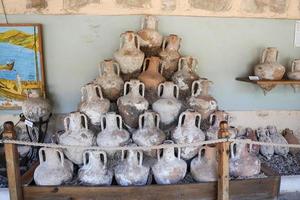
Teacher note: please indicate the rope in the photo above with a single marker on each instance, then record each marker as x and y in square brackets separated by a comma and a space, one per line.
[143, 148]
[162, 146]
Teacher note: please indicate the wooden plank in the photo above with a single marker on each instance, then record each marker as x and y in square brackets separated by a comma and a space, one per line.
[278, 82]
[12, 163]
[223, 163]
[152, 192]
[27, 177]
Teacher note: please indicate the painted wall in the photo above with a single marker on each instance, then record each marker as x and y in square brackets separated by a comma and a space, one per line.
[226, 48]
[228, 8]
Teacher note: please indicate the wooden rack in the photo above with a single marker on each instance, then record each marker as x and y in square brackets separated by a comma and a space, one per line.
[20, 187]
[268, 85]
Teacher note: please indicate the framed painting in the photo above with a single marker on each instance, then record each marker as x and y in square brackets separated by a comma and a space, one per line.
[21, 63]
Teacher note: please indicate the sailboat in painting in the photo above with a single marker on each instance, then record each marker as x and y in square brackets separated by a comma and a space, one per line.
[8, 66]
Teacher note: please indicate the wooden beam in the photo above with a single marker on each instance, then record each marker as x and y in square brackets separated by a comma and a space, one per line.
[223, 164]
[12, 163]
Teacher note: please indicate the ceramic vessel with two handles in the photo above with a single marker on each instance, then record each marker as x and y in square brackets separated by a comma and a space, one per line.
[149, 133]
[151, 76]
[188, 131]
[151, 39]
[185, 76]
[170, 55]
[92, 103]
[204, 167]
[95, 170]
[53, 169]
[76, 133]
[133, 103]
[36, 107]
[167, 106]
[201, 100]
[129, 55]
[131, 171]
[242, 162]
[264, 136]
[169, 169]
[109, 79]
[269, 68]
[112, 133]
[215, 119]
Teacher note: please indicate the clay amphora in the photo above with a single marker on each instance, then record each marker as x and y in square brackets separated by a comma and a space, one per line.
[53, 169]
[215, 119]
[131, 171]
[291, 139]
[188, 131]
[167, 106]
[76, 133]
[109, 79]
[294, 74]
[129, 55]
[269, 68]
[151, 39]
[250, 134]
[204, 167]
[169, 169]
[148, 133]
[94, 170]
[22, 135]
[170, 55]
[112, 134]
[133, 103]
[185, 76]
[243, 163]
[92, 103]
[200, 100]
[263, 136]
[278, 139]
[36, 107]
[151, 77]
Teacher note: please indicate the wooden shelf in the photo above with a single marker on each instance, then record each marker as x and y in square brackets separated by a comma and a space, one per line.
[268, 85]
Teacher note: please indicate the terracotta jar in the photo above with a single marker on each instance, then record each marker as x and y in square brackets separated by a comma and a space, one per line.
[169, 169]
[167, 106]
[36, 107]
[151, 77]
[109, 79]
[53, 169]
[188, 131]
[185, 76]
[242, 163]
[269, 68]
[263, 136]
[131, 171]
[151, 39]
[215, 119]
[291, 139]
[22, 135]
[294, 74]
[148, 133]
[112, 134]
[76, 133]
[94, 170]
[200, 100]
[278, 139]
[250, 134]
[133, 103]
[129, 55]
[170, 55]
[92, 103]
[204, 167]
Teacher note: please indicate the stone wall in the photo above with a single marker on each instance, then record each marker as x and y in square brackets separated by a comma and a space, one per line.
[289, 9]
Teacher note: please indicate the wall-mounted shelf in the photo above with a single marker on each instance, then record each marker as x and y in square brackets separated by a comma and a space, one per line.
[268, 85]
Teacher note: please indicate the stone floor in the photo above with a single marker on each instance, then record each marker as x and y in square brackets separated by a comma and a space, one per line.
[290, 196]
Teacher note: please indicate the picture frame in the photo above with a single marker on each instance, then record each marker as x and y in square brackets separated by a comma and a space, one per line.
[21, 63]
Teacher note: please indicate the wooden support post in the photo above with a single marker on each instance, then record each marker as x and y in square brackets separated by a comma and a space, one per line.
[223, 163]
[12, 163]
